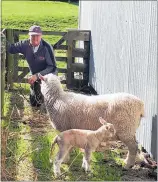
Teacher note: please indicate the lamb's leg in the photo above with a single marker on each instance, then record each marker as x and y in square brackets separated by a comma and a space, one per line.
[67, 155]
[58, 160]
[132, 151]
[86, 159]
[83, 162]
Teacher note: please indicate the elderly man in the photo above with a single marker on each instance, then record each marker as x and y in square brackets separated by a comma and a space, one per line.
[40, 57]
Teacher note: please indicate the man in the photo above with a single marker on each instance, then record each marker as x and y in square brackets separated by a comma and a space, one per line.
[40, 57]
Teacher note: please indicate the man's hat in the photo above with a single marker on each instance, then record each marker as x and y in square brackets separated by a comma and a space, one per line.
[35, 30]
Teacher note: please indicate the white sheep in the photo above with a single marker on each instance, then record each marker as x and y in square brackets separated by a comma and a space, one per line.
[70, 110]
[86, 139]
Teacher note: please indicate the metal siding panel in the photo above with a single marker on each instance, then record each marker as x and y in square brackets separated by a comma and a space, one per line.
[151, 94]
[138, 63]
[123, 52]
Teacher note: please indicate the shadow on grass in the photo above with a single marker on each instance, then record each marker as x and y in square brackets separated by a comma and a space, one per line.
[100, 170]
[42, 134]
[14, 103]
[28, 144]
[74, 3]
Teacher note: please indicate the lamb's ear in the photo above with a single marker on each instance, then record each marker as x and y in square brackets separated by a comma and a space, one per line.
[41, 77]
[102, 121]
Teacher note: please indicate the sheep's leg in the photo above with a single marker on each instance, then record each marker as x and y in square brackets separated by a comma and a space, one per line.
[132, 151]
[58, 160]
[87, 159]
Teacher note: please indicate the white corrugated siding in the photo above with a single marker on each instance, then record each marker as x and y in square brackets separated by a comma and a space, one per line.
[124, 52]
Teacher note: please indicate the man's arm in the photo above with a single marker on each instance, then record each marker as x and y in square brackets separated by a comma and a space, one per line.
[15, 48]
[51, 62]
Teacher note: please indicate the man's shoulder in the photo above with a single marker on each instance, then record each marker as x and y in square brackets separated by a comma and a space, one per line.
[46, 44]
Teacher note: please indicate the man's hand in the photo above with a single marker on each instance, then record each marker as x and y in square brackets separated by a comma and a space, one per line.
[32, 79]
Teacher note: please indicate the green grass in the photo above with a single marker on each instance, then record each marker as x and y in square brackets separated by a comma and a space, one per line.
[51, 16]
[57, 16]
[29, 146]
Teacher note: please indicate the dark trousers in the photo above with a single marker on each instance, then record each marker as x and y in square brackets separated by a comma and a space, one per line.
[36, 97]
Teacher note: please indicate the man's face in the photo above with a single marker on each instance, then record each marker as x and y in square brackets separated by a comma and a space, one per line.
[35, 39]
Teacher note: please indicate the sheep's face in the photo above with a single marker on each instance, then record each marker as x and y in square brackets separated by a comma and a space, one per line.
[49, 83]
[108, 128]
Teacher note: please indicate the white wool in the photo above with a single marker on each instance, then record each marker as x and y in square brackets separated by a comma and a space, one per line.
[69, 110]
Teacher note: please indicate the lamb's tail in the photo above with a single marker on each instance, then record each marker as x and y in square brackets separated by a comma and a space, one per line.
[52, 147]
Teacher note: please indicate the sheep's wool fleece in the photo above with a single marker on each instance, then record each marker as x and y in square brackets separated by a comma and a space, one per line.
[69, 110]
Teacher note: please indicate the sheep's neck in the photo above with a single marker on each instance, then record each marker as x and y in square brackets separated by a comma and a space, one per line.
[53, 96]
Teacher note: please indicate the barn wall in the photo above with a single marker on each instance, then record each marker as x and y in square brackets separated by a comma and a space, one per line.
[124, 55]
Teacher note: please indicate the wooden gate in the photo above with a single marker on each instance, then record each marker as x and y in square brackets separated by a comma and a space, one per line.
[3, 60]
[17, 74]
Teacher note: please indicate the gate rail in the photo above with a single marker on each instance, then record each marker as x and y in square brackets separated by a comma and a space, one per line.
[72, 38]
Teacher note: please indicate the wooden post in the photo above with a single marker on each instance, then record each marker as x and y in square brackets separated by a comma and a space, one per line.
[16, 59]
[86, 62]
[3, 61]
[73, 36]
[10, 60]
[70, 59]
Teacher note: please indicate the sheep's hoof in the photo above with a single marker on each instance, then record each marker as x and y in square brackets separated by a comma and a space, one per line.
[57, 174]
[88, 171]
[129, 161]
[50, 160]
[83, 165]
[127, 164]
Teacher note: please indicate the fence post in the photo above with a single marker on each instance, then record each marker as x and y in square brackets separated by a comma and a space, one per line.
[70, 59]
[72, 53]
[10, 60]
[3, 61]
[86, 62]
[16, 59]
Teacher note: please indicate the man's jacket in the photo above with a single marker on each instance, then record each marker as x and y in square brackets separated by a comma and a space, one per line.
[43, 61]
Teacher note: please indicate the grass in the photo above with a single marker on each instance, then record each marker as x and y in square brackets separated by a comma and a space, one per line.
[27, 133]
[28, 147]
[49, 15]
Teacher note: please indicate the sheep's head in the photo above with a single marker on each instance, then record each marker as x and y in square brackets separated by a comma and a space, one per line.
[50, 83]
[107, 127]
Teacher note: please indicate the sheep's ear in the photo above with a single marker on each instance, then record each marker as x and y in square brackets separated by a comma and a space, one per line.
[102, 121]
[41, 77]
[61, 78]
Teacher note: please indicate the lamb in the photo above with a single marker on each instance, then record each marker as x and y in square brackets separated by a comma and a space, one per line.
[86, 139]
[68, 110]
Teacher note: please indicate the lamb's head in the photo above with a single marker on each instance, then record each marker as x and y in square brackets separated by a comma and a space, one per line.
[50, 83]
[107, 128]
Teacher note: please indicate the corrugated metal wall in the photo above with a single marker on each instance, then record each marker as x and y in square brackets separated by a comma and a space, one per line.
[124, 54]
